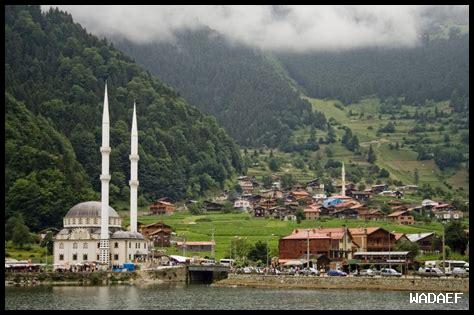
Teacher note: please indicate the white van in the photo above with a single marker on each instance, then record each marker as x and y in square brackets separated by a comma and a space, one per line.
[227, 262]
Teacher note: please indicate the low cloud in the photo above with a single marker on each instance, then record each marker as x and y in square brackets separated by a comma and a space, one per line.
[278, 28]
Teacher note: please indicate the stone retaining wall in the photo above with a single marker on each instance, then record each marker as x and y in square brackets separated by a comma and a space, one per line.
[384, 283]
[173, 274]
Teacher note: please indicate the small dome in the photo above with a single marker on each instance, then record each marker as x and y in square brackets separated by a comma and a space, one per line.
[127, 234]
[89, 209]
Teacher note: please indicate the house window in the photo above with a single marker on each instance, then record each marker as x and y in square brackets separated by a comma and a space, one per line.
[84, 257]
[74, 245]
[61, 245]
[116, 245]
[74, 256]
[61, 257]
[84, 246]
[116, 257]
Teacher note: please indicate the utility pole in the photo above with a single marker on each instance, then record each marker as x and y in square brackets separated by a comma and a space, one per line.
[307, 249]
[212, 246]
[389, 263]
[444, 254]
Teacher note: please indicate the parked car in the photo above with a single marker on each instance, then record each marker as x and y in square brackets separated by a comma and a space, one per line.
[208, 262]
[389, 272]
[460, 272]
[310, 271]
[367, 273]
[247, 270]
[466, 267]
[336, 273]
[430, 272]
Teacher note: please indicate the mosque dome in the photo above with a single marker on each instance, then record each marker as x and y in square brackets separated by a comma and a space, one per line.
[89, 209]
[87, 214]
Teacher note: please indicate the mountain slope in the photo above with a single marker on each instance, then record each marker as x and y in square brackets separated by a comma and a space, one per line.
[58, 71]
[237, 84]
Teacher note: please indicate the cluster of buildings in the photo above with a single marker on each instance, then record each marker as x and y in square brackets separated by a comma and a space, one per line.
[349, 203]
[342, 246]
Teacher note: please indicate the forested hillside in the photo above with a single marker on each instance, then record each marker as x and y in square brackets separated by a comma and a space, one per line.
[240, 86]
[55, 74]
[434, 70]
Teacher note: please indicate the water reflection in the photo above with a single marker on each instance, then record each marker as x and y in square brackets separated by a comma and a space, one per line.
[181, 296]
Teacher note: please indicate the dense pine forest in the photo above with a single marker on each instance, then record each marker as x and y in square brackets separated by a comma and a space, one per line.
[240, 86]
[55, 74]
[437, 69]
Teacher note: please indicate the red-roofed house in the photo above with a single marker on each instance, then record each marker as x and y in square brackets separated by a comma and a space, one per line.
[402, 217]
[335, 243]
[312, 211]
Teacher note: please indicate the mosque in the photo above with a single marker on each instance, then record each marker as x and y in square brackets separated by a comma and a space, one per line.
[92, 230]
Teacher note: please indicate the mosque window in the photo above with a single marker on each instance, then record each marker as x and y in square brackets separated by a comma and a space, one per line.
[130, 245]
[84, 257]
[116, 245]
[61, 245]
[74, 256]
[74, 245]
[144, 245]
[98, 244]
[116, 257]
[97, 257]
[84, 246]
[81, 220]
[138, 245]
[129, 256]
[87, 220]
[61, 257]
[96, 221]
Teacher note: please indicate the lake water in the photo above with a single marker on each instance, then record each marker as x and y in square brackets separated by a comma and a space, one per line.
[207, 297]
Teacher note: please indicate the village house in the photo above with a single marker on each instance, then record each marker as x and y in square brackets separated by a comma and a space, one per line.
[157, 232]
[424, 240]
[319, 197]
[345, 210]
[376, 189]
[162, 206]
[212, 206]
[371, 214]
[361, 195]
[314, 186]
[402, 217]
[259, 211]
[335, 243]
[242, 204]
[312, 211]
[301, 196]
[272, 193]
[373, 239]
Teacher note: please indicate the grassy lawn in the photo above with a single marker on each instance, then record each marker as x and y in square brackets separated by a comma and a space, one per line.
[230, 225]
[32, 252]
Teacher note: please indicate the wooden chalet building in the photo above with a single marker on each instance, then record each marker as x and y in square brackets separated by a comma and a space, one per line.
[371, 214]
[373, 239]
[402, 217]
[212, 206]
[424, 240]
[157, 232]
[335, 243]
[361, 195]
[162, 206]
[312, 211]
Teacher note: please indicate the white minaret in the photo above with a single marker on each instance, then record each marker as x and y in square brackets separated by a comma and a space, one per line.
[105, 178]
[343, 187]
[134, 173]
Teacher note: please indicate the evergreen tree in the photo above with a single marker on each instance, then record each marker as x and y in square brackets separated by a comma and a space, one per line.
[371, 157]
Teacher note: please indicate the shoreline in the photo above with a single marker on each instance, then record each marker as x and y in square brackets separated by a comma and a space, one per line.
[387, 284]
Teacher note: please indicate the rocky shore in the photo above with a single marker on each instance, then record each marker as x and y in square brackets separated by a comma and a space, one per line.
[309, 282]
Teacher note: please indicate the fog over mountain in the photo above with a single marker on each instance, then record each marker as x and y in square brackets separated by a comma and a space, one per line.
[279, 28]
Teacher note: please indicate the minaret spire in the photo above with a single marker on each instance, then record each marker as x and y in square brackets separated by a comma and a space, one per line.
[105, 179]
[343, 187]
[134, 172]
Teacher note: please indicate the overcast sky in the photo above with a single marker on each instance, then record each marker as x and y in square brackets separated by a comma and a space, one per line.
[294, 28]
